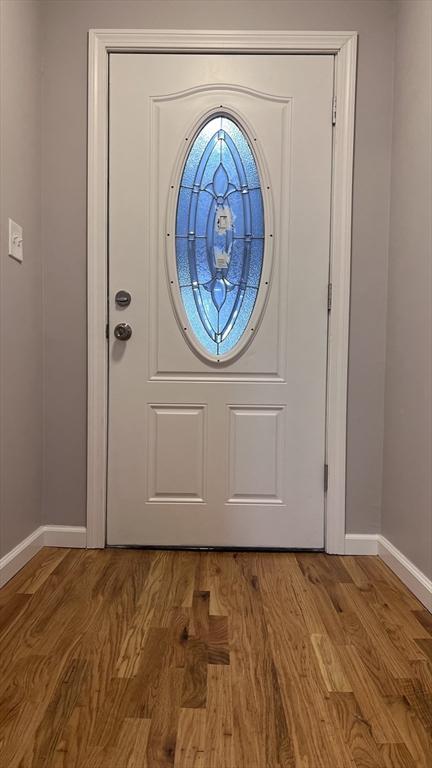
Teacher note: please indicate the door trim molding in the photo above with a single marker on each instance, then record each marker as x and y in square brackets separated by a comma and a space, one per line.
[102, 42]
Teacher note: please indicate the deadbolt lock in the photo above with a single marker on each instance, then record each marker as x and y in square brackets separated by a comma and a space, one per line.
[123, 298]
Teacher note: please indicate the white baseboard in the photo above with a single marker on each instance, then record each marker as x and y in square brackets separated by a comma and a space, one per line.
[16, 559]
[44, 536]
[375, 544]
[361, 544]
[65, 536]
[411, 576]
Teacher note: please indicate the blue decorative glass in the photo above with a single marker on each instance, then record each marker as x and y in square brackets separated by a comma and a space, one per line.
[219, 234]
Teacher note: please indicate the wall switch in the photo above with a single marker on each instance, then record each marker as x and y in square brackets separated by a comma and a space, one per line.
[15, 240]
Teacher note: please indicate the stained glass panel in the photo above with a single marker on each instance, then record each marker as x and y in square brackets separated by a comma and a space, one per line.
[219, 234]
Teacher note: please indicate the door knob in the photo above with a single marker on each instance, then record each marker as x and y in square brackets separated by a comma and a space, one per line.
[123, 331]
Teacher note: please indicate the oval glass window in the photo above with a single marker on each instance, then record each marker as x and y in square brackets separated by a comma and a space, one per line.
[219, 235]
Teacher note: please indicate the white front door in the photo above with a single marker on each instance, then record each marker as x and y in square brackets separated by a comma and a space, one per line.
[219, 213]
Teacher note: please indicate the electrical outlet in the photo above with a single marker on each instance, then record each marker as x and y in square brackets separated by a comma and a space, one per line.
[15, 240]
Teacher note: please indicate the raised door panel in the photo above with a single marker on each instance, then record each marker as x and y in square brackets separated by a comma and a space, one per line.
[176, 453]
[256, 455]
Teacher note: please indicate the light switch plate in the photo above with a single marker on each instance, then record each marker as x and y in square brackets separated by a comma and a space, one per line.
[15, 240]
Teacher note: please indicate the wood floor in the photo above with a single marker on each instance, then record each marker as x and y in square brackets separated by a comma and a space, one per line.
[134, 659]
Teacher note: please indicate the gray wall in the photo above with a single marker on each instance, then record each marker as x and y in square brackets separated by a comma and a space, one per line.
[20, 284]
[407, 494]
[65, 26]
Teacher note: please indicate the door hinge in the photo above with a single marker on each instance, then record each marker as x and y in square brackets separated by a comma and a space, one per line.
[107, 330]
[329, 296]
[334, 111]
[326, 475]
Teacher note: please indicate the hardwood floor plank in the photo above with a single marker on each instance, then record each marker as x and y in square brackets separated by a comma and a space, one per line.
[60, 616]
[416, 738]
[219, 581]
[218, 642]
[397, 756]
[279, 738]
[162, 739]
[249, 657]
[135, 635]
[199, 626]
[323, 569]
[421, 704]
[374, 662]
[177, 586]
[303, 601]
[219, 746]
[144, 687]
[58, 712]
[397, 665]
[425, 619]
[42, 658]
[29, 570]
[256, 691]
[400, 637]
[133, 741]
[297, 671]
[42, 607]
[393, 589]
[355, 730]
[179, 631]
[48, 565]
[331, 618]
[396, 613]
[116, 598]
[194, 693]
[426, 647]
[279, 599]
[303, 710]
[130, 752]
[191, 739]
[373, 707]
[352, 564]
[421, 676]
[68, 749]
[11, 611]
[330, 665]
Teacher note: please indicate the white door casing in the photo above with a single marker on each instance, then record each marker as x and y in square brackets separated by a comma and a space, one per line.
[241, 415]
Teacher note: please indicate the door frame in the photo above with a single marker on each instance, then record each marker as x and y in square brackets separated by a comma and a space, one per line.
[103, 42]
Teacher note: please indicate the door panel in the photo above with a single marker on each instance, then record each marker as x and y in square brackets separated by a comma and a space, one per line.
[203, 453]
[256, 466]
[175, 455]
